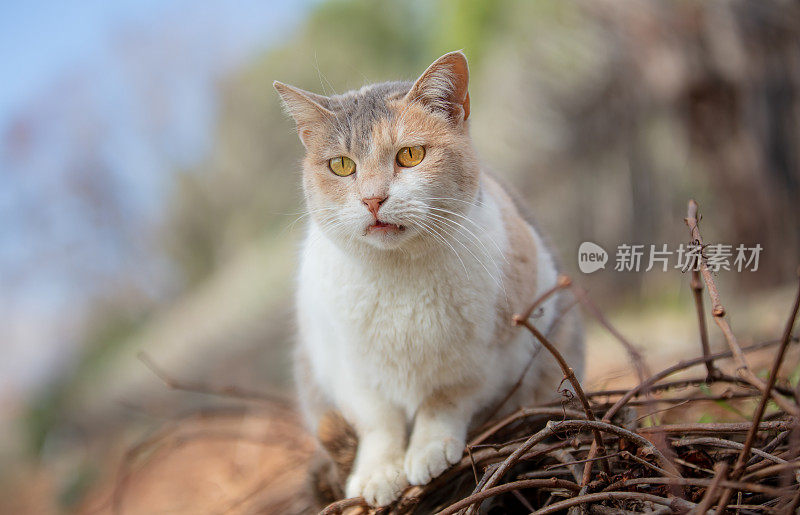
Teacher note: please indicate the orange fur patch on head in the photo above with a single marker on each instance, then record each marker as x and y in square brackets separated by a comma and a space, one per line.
[450, 158]
[320, 183]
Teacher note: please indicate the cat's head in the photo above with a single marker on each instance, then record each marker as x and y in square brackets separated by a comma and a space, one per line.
[390, 165]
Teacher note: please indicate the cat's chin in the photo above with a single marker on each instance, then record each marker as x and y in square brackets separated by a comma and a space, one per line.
[385, 235]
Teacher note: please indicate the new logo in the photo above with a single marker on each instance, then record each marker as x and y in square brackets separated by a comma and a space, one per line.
[591, 257]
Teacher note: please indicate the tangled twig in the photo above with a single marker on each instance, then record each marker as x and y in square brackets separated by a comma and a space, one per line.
[529, 461]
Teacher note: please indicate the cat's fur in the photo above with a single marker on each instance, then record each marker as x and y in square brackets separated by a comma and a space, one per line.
[408, 332]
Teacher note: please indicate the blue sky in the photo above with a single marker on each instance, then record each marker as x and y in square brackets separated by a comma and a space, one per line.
[40, 38]
[100, 96]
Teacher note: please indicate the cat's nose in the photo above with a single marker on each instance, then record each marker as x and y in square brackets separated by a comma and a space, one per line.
[373, 204]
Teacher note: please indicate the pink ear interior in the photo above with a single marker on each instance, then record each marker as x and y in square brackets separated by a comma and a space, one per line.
[444, 86]
[304, 133]
[308, 109]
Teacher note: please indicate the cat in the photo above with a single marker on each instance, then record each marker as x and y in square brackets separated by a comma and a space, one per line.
[414, 262]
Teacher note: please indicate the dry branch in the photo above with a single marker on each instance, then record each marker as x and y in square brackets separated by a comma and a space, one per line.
[233, 392]
[697, 292]
[529, 460]
[507, 487]
[720, 473]
[569, 375]
[718, 312]
[674, 503]
[741, 461]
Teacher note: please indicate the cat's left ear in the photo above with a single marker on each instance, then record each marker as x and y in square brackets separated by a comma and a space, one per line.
[443, 87]
[309, 110]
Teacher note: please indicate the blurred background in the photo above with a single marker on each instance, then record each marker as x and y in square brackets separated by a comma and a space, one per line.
[149, 191]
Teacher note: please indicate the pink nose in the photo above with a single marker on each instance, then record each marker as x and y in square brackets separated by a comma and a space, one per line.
[373, 204]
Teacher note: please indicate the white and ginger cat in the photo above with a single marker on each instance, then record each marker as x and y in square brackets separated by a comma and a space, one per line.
[414, 263]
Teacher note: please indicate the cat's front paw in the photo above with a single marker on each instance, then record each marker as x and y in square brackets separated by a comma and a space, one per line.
[425, 462]
[379, 485]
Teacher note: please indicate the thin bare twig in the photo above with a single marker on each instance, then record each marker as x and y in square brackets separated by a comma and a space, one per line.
[680, 366]
[227, 391]
[562, 282]
[507, 487]
[639, 364]
[552, 427]
[524, 413]
[726, 444]
[629, 456]
[719, 427]
[720, 473]
[766, 471]
[693, 481]
[339, 506]
[675, 503]
[739, 467]
[718, 312]
[697, 292]
[569, 374]
[516, 386]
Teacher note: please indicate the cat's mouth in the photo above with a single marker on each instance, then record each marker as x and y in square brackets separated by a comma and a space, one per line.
[384, 227]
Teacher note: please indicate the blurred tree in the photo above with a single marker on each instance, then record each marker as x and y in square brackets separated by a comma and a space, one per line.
[250, 186]
[610, 116]
[607, 118]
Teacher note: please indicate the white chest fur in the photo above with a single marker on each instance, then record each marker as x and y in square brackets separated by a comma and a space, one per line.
[405, 328]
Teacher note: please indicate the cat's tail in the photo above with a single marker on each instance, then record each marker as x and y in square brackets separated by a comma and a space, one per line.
[339, 438]
[332, 467]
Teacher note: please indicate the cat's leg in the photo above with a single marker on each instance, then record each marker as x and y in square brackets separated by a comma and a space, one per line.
[378, 473]
[314, 402]
[439, 434]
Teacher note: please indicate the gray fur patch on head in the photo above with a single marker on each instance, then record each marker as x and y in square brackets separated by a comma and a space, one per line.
[357, 112]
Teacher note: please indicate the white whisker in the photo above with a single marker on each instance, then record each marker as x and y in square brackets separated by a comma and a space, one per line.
[469, 232]
[498, 280]
[438, 237]
[479, 227]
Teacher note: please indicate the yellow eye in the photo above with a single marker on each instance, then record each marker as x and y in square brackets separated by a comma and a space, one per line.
[410, 156]
[342, 166]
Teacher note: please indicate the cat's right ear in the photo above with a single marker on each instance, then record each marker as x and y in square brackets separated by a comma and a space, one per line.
[309, 110]
[444, 87]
